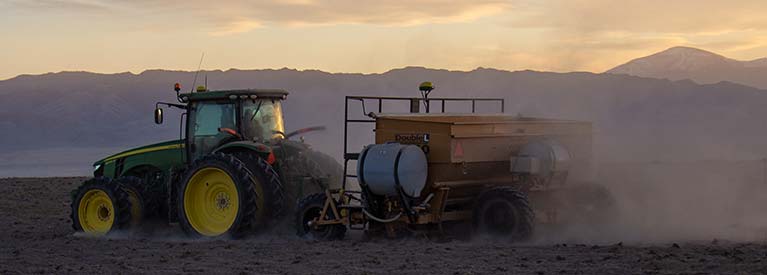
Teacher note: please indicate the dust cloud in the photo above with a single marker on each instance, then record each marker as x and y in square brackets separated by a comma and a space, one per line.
[658, 202]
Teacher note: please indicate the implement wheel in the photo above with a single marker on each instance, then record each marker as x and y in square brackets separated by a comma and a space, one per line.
[504, 212]
[309, 210]
[100, 207]
[217, 197]
[588, 203]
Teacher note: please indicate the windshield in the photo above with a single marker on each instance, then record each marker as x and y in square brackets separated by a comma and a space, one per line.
[261, 118]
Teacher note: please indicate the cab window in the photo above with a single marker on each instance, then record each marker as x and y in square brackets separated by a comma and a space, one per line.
[207, 118]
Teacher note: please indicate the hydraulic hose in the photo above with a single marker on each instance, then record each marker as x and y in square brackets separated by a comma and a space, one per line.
[382, 220]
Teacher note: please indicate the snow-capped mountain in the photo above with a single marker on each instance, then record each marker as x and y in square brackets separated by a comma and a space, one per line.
[701, 66]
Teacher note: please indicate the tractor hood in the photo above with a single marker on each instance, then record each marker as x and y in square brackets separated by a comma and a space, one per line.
[173, 144]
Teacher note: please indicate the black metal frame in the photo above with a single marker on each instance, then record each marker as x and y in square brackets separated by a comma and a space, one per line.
[415, 103]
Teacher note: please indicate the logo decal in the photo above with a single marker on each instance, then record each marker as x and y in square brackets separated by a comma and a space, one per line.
[416, 139]
[421, 140]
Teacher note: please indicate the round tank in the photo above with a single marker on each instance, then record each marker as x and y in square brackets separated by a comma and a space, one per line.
[382, 166]
[553, 156]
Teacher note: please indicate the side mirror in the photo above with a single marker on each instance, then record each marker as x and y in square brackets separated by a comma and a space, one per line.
[158, 115]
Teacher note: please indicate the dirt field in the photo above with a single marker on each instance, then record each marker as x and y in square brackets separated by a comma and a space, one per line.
[37, 238]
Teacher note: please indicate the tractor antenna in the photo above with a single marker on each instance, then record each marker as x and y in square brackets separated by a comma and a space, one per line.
[197, 72]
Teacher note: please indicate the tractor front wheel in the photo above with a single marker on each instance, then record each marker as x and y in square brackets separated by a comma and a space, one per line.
[217, 197]
[99, 207]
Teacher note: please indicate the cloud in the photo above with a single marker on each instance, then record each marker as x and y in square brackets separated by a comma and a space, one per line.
[679, 16]
[234, 27]
[396, 12]
[237, 16]
[54, 5]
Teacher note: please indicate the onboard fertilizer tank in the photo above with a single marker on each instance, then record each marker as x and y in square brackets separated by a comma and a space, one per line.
[383, 166]
[542, 156]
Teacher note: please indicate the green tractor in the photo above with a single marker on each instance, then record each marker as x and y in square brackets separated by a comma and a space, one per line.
[234, 171]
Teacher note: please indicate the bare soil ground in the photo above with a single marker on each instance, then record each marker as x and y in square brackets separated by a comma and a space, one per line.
[37, 238]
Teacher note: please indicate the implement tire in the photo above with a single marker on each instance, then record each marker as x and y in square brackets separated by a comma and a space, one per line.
[217, 198]
[588, 203]
[504, 212]
[100, 207]
[271, 195]
[310, 208]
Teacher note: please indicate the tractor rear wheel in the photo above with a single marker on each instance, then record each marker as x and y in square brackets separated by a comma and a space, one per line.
[309, 209]
[217, 197]
[504, 212]
[269, 189]
[99, 207]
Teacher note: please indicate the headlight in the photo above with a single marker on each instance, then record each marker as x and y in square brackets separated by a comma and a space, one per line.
[96, 167]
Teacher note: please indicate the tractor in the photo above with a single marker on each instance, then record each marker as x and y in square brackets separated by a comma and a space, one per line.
[232, 171]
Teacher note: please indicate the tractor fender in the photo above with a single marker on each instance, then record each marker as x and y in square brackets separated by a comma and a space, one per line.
[261, 149]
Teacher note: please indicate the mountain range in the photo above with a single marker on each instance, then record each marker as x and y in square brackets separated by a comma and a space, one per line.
[59, 123]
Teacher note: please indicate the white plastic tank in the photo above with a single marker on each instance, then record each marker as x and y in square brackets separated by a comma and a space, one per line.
[381, 166]
[551, 156]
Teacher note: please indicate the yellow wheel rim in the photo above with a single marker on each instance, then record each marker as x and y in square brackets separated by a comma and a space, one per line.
[96, 212]
[211, 202]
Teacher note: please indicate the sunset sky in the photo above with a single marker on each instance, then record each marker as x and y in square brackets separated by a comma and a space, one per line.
[366, 36]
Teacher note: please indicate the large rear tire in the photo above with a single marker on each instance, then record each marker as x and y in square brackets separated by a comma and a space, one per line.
[271, 196]
[100, 207]
[217, 198]
[298, 163]
[309, 209]
[504, 212]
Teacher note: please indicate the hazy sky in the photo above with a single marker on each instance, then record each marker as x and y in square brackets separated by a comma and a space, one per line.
[367, 36]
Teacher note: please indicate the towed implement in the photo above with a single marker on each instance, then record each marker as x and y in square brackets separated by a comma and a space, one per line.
[234, 170]
[500, 174]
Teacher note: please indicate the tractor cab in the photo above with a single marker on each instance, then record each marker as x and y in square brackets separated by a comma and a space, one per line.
[216, 118]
